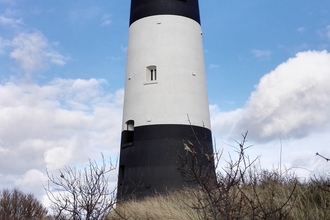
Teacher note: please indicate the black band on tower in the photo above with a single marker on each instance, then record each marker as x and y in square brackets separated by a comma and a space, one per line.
[151, 157]
[145, 8]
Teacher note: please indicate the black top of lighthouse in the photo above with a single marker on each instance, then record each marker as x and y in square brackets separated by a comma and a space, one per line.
[145, 8]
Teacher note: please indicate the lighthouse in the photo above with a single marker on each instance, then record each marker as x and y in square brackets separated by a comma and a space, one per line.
[166, 110]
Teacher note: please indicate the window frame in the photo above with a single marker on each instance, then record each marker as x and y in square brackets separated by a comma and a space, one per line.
[151, 75]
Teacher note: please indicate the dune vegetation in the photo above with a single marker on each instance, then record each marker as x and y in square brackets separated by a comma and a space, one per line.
[240, 190]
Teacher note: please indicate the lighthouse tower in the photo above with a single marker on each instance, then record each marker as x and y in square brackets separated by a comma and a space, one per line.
[166, 103]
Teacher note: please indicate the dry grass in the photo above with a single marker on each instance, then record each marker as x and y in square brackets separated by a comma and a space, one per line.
[174, 205]
[280, 199]
[313, 200]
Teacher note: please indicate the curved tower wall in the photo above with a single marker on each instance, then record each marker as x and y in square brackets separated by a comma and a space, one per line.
[165, 100]
[173, 46]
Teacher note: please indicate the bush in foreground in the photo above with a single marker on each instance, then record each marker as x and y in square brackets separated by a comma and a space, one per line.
[240, 190]
[14, 204]
[81, 194]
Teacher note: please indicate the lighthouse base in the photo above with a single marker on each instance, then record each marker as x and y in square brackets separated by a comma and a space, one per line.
[158, 158]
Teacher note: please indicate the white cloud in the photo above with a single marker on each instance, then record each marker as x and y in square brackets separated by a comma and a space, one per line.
[33, 52]
[3, 150]
[3, 44]
[261, 54]
[10, 21]
[9, 2]
[80, 16]
[213, 66]
[58, 157]
[293, 101]
[31, 180]
[112, 58]
[328, 31]
[124, 48]
[289, 109]
[106, 20]
[58, 124]
[301, 29]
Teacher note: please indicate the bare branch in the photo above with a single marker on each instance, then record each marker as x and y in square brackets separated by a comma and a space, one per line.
[327, 159]
[82, 194]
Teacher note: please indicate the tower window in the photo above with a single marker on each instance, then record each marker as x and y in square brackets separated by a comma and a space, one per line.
[128, 134]
[130, 125]
[151, 74]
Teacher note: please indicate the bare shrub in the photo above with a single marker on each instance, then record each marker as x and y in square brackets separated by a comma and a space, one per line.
[14, 205]
[81, 194]
[242, 190]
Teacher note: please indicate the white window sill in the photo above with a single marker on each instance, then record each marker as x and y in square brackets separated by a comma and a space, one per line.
[151, 82]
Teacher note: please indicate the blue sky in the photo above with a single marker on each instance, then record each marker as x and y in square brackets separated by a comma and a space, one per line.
[62, 67]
